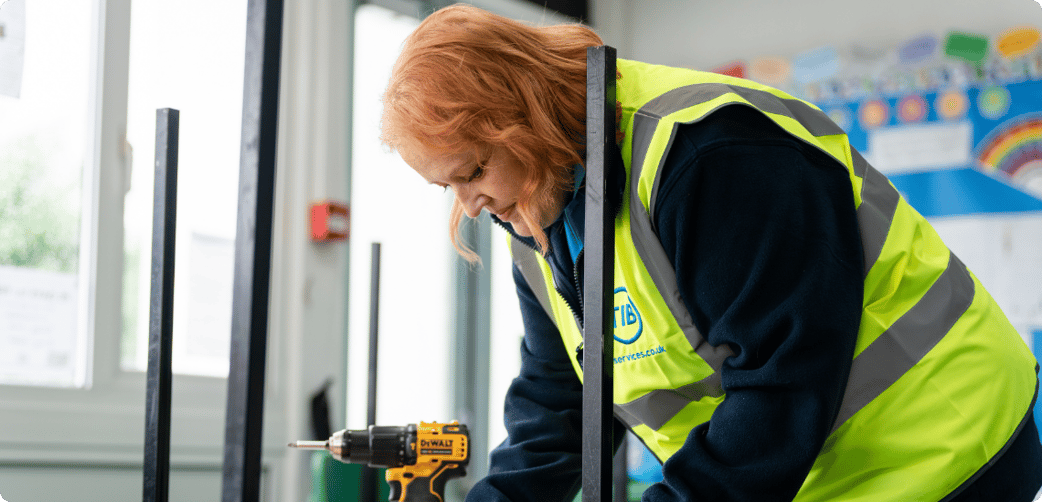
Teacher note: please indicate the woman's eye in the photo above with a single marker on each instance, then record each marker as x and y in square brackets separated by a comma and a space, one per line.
[478, 172]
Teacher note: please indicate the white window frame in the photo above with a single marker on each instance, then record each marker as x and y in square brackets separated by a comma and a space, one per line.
[103, 422]
[102, 425]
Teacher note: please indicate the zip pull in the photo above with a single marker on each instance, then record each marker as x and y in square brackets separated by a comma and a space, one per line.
[579, 354]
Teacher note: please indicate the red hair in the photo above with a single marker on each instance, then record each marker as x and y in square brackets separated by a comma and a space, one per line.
[468, 81]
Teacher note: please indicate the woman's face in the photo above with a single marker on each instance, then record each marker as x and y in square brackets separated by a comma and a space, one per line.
[492, 184]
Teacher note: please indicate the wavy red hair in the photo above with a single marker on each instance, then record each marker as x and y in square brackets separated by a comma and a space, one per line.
[468, 81]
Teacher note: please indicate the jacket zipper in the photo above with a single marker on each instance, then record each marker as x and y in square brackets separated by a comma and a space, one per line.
[578, 291]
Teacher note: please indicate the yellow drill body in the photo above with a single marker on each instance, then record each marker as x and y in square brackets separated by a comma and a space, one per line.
[442, 453]
[419, 458]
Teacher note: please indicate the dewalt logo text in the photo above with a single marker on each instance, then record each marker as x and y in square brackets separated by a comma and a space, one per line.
[435, 443]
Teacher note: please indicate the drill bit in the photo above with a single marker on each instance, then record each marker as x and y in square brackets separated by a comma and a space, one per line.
[317, 445]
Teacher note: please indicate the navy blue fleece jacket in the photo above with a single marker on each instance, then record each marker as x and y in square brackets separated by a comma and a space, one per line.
[762, 232]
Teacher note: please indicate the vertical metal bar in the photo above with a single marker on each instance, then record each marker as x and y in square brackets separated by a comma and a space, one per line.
[367, 488]
[339, 417]
[245, 409]
[161, 311]
[598, 270]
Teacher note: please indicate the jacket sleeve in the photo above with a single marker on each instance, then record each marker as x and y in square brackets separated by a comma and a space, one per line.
[762, 232]
[540, 459]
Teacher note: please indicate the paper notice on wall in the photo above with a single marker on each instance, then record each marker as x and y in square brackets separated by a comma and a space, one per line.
[920, 147]
[12, 46]
[39, 340]
[1002, 251]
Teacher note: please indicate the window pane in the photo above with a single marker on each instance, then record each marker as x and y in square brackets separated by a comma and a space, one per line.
[45, 50]
[393, 205]
[189, 56]
[508, 330]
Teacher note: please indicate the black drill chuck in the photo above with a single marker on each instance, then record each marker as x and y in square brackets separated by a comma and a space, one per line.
[377, 446]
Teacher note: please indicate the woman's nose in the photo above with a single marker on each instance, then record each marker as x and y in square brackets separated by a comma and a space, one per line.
[473, 201]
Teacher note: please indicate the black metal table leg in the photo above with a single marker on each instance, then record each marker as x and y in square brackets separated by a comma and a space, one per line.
[161, 311]
[367, 488]
[599, 250]
[245, 410]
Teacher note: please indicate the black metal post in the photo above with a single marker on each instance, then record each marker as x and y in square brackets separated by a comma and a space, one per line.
[367, 488]
[245, 410]
[599, 250]
[161, 311]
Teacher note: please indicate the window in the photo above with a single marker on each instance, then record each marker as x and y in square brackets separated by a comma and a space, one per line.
[392, 205]
[44, 102]
[68, 127]
[194, 63]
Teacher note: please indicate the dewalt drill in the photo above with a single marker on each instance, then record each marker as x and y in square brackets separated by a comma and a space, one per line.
[419, 458]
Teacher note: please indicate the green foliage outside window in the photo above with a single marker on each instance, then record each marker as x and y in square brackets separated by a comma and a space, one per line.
[39, 216]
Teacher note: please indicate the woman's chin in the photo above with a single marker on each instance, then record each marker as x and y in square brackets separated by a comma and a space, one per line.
[520, 229]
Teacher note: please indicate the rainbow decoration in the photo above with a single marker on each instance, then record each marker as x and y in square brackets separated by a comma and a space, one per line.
[1015, 146]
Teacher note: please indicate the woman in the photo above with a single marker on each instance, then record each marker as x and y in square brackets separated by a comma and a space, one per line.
[787, 327]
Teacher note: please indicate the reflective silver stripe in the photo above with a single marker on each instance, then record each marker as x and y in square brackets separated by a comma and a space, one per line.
[643, 130]
[658, 407]
[621, 414]
[878, 206]
[653, 199]
[655, 260]
[905, 343]
[816, 122]
[525, 260]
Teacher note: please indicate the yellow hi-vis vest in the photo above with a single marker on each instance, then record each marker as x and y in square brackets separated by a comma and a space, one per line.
[940, 383]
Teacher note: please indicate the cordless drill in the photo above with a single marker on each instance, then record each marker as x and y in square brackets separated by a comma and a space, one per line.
[419, 458]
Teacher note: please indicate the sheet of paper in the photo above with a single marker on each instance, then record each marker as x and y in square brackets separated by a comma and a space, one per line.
[920, 147]
[12, 46]
[39, 340]
[1003, 251]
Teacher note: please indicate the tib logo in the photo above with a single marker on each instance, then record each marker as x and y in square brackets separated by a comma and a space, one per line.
[628, 323]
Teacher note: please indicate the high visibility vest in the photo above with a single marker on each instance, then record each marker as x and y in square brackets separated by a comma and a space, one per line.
[940, 382]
